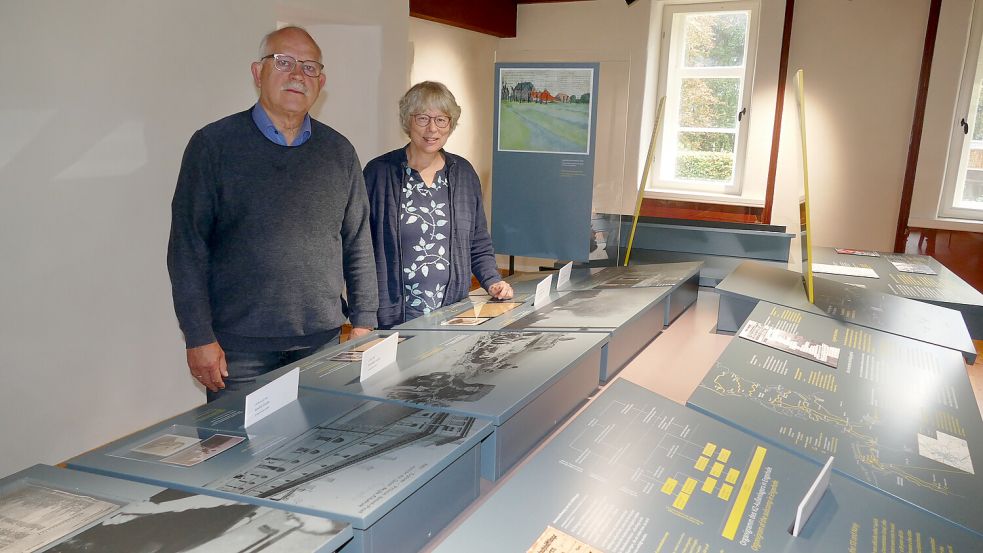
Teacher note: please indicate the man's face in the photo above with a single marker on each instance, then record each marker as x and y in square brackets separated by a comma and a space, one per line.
[288, 93]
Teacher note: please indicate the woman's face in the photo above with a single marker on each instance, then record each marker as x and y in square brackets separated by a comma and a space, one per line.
[430, 137]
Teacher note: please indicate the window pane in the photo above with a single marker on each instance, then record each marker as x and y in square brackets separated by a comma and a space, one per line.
[973, 189]
[709, 102]
[705, 166]
[715, 40]
[973, 186]
[706, 156]
[707, 141]
[963, 188]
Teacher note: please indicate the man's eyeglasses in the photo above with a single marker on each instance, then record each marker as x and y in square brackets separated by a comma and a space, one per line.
[286, 63]
[422, 120]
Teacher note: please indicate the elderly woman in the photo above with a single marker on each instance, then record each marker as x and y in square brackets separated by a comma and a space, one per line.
[428, 223]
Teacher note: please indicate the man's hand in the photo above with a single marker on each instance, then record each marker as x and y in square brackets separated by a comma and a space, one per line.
[501, 290]
[207, 364]
[358, 331]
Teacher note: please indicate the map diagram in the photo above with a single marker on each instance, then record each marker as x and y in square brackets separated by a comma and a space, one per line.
[875, 455]
[650, 451]
[897, 427]
[946, 449]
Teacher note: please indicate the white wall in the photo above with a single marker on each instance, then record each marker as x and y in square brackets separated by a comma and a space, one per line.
[99, 99]
[605, 31]
[464, 61]
[97, 104]
[861, 62]
[940, 115]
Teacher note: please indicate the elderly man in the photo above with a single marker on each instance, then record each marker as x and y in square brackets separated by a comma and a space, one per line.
[269, 226]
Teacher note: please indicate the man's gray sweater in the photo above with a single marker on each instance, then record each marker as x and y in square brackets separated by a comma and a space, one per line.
[265, 238]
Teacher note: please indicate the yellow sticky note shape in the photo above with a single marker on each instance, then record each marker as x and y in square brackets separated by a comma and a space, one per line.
[724, 455]
[669, 486]
[725, 491]
[709, 484]
[680, 502]
[689, 486]
[732, 475]
[701, 463]
[717, 469]
[709, 449]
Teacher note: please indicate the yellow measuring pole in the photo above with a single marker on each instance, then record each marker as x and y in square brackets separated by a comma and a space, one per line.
[645, 174]
[800, 90]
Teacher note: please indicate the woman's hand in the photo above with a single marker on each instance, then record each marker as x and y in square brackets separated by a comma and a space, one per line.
[501, 290]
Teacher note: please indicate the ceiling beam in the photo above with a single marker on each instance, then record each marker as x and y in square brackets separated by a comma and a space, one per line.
[491, 17]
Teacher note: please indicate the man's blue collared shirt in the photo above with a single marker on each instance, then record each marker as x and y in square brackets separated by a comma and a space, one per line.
[266, 126]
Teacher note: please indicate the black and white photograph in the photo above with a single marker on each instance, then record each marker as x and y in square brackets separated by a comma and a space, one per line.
[175, 522]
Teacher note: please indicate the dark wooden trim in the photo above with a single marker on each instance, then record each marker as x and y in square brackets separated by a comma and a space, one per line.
[917, 123]
[776, 133]
[700, 211]
[491, 17]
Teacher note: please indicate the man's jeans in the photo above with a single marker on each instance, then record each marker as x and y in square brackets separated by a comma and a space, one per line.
[245, 366]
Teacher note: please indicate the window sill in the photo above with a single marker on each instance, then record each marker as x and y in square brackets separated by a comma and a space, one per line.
[702, 210]
[705, 197]
[942, 223]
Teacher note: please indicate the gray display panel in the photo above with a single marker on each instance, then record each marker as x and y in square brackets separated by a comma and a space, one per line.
[486, 313]
[944, 288]
[486, 374]
[153, 518]
[682, 279]
[897, 414]
[324, 454]
[525, 382]
[634, 276]
[593, 310]
[631, 316]
[753, 281]
[635, 472]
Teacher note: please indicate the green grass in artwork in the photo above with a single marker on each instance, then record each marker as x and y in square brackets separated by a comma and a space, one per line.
[544, 127]
[513, 132]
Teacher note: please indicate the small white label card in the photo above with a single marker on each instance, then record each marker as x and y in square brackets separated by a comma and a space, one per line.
[812, 497]
[543, 292]
[564, 275]
[266, 400]
[845, 270]
[379, 356]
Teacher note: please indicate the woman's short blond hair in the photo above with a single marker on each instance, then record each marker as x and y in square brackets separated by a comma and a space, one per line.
[427, 95]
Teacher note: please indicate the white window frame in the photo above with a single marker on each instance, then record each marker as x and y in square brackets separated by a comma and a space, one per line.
[689, 189]
[959, 142]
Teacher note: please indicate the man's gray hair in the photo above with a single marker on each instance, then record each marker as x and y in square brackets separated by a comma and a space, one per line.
[266, 39]
[428, 95]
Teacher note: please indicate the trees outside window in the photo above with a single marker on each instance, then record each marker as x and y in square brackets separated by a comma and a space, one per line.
[962, 193]
[706, 73]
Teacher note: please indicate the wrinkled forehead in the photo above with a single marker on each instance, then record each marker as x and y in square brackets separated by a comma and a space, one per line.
[295, 42]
